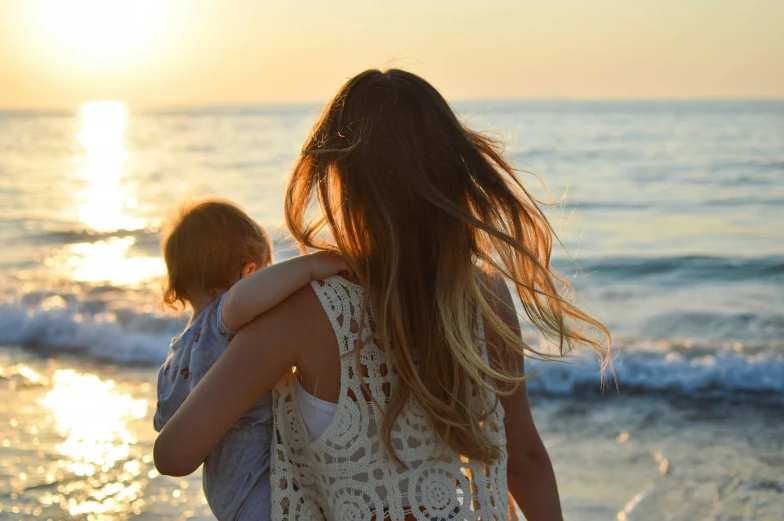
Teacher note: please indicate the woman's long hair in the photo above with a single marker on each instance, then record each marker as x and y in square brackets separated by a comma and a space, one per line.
[415, 201]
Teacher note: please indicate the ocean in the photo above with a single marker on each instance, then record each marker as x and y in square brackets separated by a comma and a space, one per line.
[670, 215]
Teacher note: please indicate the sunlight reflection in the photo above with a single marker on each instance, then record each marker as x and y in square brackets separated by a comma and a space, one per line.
[92, 416]
[107, 206]
[103, 125]
[108, 261]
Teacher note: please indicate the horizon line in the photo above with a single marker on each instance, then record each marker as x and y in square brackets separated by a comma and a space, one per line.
[154, 107]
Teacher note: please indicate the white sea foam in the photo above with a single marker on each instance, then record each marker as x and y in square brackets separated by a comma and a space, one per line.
[639, 370]
[143, 338]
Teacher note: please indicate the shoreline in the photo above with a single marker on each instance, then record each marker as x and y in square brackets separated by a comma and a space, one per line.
[688, 376]
[77, 444]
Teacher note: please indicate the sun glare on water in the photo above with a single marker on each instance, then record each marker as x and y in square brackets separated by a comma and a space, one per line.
[105, 206]
[92, 416]
[103, 125]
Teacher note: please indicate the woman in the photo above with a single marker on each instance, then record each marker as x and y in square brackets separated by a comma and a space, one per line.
[408, 399]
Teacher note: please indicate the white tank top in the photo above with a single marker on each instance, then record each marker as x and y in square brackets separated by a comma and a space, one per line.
[316, 413]
[343, 471]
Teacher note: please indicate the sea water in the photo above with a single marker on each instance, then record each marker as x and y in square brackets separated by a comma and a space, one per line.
[671, 217]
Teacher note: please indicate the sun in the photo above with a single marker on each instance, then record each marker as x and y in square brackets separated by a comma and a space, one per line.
[98, 27]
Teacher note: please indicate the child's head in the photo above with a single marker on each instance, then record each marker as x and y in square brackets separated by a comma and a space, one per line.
[208, 247]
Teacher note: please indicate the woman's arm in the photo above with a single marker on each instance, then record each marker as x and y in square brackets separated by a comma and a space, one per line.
[258, 356]
[530, 475]
[267, 287]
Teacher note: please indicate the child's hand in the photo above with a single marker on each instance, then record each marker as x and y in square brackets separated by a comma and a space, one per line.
[325, 264]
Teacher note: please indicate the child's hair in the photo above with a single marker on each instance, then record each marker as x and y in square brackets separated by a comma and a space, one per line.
[206, 246]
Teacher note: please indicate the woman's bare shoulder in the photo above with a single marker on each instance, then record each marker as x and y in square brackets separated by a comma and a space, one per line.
[318, 360]
[303, 315]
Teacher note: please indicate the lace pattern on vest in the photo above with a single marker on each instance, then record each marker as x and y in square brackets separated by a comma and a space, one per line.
[346, 474]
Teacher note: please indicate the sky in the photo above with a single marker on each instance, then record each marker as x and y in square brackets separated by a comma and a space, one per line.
[162, 53]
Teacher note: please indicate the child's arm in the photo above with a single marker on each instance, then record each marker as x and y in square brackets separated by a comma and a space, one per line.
[268, 287]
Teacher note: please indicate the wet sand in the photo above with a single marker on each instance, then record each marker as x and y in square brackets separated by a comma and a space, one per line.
[77, 444]
[77, 441]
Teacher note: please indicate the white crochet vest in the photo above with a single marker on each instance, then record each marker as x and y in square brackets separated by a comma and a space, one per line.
[346, 474]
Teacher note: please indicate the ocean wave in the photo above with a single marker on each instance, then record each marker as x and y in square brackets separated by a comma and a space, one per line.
[743, 325]
[116, 336]
[659, 205]
[686, 268]
[715, 374]
[146, 239]
[143, 338]
[87, 235]
[745, 201]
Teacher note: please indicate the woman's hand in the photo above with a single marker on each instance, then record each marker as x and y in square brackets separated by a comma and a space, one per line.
[324, 264]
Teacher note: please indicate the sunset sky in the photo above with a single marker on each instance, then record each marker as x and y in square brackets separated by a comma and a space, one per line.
[61, 53]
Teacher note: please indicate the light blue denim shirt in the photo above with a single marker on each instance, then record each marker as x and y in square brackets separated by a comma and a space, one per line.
[236, 472]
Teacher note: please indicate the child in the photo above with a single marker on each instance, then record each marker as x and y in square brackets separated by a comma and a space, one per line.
[218, 262]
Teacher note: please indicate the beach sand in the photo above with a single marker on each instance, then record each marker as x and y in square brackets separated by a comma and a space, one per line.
[77, 442]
